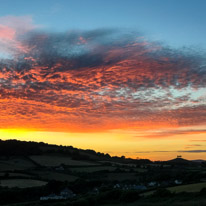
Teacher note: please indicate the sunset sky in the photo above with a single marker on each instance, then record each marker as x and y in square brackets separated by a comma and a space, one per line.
[124, 77]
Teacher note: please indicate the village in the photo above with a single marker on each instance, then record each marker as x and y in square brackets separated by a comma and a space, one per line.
[50, 174]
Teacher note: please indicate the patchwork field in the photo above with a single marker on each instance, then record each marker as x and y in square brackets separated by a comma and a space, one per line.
[182, 188]
[188, 188]
[93, 169]
[120, 176]
[56, 160]
[22, 183]
[15, 163]
[14, 174]
[56, 176]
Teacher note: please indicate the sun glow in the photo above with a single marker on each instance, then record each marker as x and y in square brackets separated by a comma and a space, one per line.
[130, 143]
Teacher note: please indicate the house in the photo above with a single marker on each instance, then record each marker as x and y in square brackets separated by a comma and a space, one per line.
[130, 187]
[139, 187]
[51, 197]
[178, 182]
[67, 193]
[117, 186]
[152, 184]
[60, 168]
[95, 191]
[64, 195]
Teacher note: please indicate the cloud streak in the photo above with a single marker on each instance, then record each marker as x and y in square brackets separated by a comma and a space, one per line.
[97, 80]
[176, 151]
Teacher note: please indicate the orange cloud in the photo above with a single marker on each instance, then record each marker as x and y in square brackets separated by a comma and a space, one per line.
[85, 81]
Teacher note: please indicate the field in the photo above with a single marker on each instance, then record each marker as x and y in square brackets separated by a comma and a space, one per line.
[22, 183]
[92, 169]
[56, 176]
[182, 188]
[120, 176]
[56, 160]
[162, 203]
[14, 174]
[15, 163]
[188, 188]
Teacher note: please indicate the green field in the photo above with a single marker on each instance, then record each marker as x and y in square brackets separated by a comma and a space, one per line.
[22, 183]
[163, 203]
[188, 188]
[92, 169]
[15, 163]
[56, 160]
[181, 188]
[14, 174]
[120, 176]
[47, 175]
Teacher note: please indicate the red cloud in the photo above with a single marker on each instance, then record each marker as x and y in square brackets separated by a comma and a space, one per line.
[57, 83]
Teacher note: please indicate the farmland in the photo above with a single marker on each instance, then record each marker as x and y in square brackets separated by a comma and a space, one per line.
[49, 175]
[22, 183]
[56, 160]
[34, 169]
[188, 188]
[92, 169]
[15, 163]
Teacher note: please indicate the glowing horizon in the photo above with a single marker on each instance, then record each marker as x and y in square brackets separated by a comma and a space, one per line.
[118, 143]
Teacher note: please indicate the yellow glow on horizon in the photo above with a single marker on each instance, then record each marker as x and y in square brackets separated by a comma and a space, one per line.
[116, 143]
[9, 133]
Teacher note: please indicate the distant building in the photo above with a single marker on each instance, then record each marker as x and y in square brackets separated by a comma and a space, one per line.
[152, 184]
[67, 193]
[95, 191]
[64, 194]
[178, 182]
[60, 168]
[139, 187]
[117, 186]
[52, 197]
[130, 187]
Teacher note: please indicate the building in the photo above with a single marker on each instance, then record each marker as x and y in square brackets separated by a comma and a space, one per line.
[64, 195]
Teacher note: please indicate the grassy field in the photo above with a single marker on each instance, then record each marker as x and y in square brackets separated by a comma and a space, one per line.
[56, 160]
[188, 188]
[92, 169]
[181, 188]
[56, 176]
[14, 174]
[15, 163]
[120, 176]
[22, 183]
[163, 203]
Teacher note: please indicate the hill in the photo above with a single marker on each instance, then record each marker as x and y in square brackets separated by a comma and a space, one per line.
[23, 148]
[30, 170]
[180, 161]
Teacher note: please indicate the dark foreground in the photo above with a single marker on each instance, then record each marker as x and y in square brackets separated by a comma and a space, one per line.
[34, 174]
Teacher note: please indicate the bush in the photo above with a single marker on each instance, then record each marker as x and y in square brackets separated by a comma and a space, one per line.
[129, 196]
[81, 202]
[162, 193]
[109, 196]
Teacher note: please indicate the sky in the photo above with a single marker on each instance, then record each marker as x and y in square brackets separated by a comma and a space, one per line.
[120, 77]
